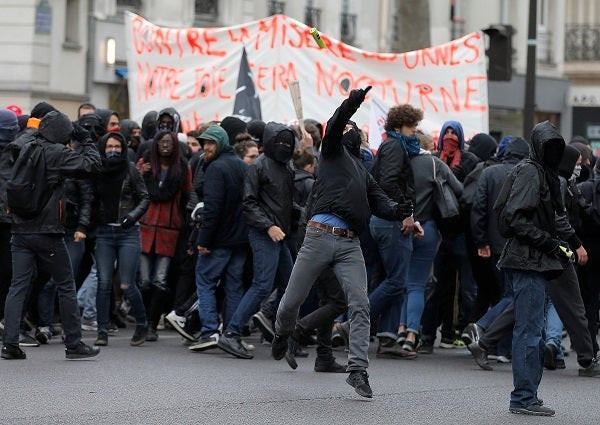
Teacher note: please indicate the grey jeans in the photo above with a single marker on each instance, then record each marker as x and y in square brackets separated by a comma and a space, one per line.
[319, 250]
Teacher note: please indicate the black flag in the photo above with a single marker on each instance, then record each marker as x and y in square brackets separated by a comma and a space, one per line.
[247, 103]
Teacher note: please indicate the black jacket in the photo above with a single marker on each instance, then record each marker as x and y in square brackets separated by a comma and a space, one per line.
[393, 173]
[484, 226]
[79, 196]
[530, 216]
[269, 187]
[61, 162]
[8, 157]
[134, 199]
[343, 186]
[223, 223]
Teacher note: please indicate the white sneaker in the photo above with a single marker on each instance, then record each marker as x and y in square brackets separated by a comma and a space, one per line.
[502, 359]
[89, 325]
[204, 344]
[178, 323]
[247, 346]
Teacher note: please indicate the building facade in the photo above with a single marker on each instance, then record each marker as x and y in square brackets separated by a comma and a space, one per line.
[70, 51]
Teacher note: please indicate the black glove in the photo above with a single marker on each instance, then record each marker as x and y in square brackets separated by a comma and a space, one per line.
[127, 222]
[559, 249]
[80, 134]
[404, 210]
[357, 96]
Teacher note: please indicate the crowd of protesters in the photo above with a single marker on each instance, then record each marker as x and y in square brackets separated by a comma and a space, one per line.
[306, 236]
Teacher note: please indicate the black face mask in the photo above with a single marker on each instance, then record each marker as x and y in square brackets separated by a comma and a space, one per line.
[282, 152]
[553, 152]
[134, 142]
[585, 174]
[351, 141]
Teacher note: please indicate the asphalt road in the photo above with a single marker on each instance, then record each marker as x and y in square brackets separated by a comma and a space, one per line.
[165, 383]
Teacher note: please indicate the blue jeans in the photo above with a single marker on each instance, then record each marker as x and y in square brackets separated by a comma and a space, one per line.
[272, 263]
[115, 244]
[48, 293]
[154, 270]
[528, 342]
[228, 262]
[421, 263]
[395, 250]
[554, 327]
[86, 296]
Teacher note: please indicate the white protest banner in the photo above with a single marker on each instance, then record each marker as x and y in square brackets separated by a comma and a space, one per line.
[377, 123]
[195, 70]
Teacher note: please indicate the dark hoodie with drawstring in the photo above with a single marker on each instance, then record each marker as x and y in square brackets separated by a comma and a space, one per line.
[534, 217]
[269, 184]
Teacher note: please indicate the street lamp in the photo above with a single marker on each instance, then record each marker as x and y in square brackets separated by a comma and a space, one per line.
[111, 51]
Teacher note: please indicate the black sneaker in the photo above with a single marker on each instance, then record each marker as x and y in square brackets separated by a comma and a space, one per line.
[471, 333]
[279, 346]
[43, 335]
[102, 339]
[139, 336]
[550, 356]
[232, 344]
[359, 379]
[592, 371]
[11, 352]
[290, 354]
[207, 343]
[25, 340]
[480, 355]
[82, 351]
[264, 324]
[152, 335]
[329, 366]
[534, 409]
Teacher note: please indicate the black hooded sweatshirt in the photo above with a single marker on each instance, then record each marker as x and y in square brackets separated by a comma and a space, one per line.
[343, 186]
[530, 214]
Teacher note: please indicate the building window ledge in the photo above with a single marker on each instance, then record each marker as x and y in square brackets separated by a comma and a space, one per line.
[71, 45]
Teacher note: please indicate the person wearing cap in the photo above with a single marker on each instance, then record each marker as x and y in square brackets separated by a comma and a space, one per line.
[16, 109]
[222, 237]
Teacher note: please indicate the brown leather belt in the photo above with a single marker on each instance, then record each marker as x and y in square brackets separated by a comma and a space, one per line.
[337, 231]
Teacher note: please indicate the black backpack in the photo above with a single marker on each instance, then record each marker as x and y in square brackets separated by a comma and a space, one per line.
[27, 191]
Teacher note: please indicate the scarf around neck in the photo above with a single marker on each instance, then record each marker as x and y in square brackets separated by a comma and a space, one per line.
[411, 144]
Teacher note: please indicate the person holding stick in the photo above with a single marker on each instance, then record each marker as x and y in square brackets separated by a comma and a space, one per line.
[340, 206]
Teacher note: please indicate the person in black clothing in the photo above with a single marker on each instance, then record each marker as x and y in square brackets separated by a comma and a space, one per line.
[488, 240]
[132, 132]
[268, 208]
[339, 209]
[42, 237]
[531, 215]
[121, 199]
[9, 129]
[590, 235]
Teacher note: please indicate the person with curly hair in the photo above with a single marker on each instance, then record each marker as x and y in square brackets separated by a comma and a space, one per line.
[394, 239]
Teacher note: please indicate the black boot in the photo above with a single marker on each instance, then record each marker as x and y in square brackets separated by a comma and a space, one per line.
[155, 309]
